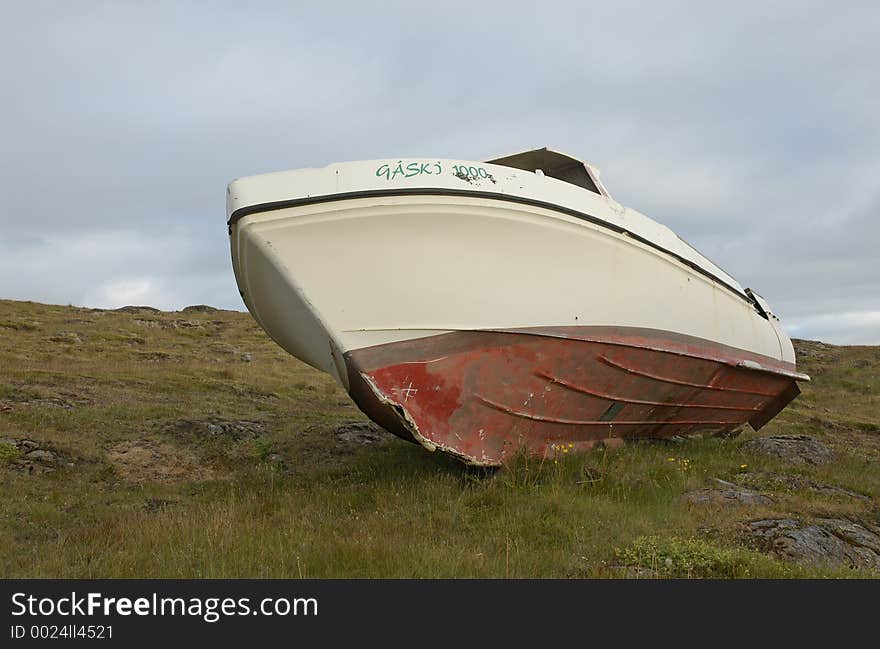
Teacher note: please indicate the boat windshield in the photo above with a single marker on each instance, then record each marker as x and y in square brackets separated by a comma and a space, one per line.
[554, 164]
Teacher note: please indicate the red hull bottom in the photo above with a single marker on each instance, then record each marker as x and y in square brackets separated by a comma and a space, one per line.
[484, 395]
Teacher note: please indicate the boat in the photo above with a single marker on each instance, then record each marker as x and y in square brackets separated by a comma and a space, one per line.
[483, 309]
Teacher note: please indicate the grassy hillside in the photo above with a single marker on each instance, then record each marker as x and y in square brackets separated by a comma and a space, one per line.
[137, 443]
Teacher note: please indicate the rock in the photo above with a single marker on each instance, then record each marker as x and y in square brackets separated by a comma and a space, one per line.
[32, 468]
[137, 310]
[726, 493]
[828, 541]
[152, 324]
[199, 308]
[863, 536]
[795, 482]
[26, 445]
[41, 455]
[832, 490]
[214, 427]
[360, 432]
[799, 449]
[66, 337]
[31, 458]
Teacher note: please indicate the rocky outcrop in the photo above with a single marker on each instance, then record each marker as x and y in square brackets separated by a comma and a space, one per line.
[137, 310]
[797, 449]
[28, 456]
[360, 432]
[836, 542]
[726, 493]
[235, 429]
[777, 481]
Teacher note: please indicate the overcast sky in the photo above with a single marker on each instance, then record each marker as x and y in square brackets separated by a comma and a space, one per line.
[752, 129]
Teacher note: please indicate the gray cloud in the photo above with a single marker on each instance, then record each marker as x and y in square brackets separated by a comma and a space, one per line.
[750, 129]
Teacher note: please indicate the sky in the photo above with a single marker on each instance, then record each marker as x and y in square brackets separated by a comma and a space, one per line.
[752, 129]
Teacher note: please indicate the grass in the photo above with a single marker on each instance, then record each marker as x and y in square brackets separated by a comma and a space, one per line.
[8, 452]
[330, 508]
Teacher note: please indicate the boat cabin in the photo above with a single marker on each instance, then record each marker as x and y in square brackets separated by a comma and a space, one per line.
[556, 165]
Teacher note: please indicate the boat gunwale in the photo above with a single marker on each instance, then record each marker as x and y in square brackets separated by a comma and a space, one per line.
[272, 206]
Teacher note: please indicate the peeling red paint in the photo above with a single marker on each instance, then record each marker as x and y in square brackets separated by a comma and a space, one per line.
[481, 395]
